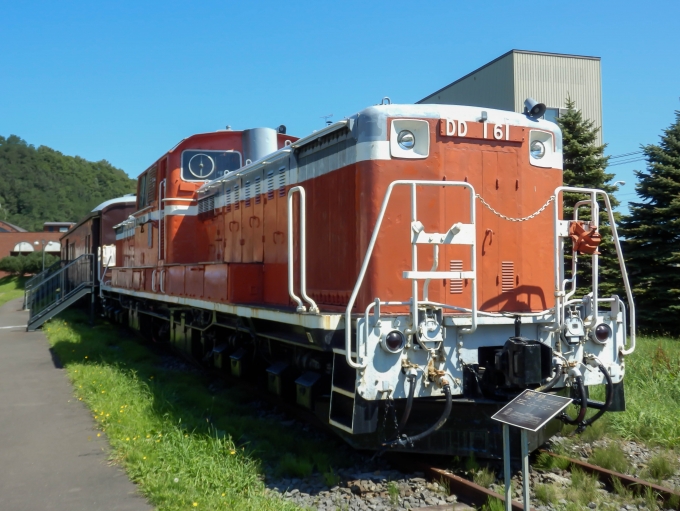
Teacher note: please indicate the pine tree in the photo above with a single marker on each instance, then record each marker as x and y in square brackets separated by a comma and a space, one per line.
[652, 232]
[584, 166]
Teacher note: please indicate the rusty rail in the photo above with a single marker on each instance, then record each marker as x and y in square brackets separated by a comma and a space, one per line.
[466, 490]
[606, 476]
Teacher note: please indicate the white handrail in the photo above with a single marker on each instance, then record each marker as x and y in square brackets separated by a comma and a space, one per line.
[615, 235]
[161, 218]
[303, 253]
[369, 252]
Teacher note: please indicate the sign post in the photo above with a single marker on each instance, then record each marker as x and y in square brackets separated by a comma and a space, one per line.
[529, 411]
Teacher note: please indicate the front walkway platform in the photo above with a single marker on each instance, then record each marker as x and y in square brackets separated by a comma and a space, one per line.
[50, 455]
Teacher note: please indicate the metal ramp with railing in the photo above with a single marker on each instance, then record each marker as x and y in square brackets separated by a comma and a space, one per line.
[57, 288]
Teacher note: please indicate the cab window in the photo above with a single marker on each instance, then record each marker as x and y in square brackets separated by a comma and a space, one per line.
[203, 165]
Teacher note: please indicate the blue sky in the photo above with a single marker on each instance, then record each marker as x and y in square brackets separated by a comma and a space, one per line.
[125, 81]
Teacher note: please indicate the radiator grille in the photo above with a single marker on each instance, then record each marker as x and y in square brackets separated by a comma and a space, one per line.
[258, 190]
[456, 285]
[507, 276]
[237, 197]
[206, 204]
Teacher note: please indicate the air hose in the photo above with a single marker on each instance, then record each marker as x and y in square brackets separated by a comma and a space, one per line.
[602, 407]
[411, 378]
[551, 383]
[405, 440]
[583, 402]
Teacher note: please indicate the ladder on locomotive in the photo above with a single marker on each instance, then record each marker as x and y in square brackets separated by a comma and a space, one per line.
[344, 408]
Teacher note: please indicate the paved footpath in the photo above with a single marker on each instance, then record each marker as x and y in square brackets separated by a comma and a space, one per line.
[50, 455]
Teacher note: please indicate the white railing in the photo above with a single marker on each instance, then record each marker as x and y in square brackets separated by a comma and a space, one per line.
[561, 298]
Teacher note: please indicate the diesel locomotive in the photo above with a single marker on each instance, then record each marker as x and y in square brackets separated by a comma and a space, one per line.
[400, 273]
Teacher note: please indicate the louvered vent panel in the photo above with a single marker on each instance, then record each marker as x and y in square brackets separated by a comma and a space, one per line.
[258, 190]
[456, 285]
[282, 182]
[229, 199]
[206, 204]
[507, 276]
[151, 186]
[237, 197]
[270, 185]
[248, 193]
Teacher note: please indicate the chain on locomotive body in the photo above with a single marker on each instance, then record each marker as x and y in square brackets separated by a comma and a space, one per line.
[407, 252]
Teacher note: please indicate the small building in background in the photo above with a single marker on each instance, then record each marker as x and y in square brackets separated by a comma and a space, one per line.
[15, 241]
[57, 226]
[549, 78]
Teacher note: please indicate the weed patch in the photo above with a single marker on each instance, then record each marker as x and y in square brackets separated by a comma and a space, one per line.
[545, 493]
[484, 477]
[493, 504]
[583, 488]
[661, 467]
[610, 457]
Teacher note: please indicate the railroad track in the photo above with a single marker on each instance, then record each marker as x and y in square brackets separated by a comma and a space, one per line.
[469, 492]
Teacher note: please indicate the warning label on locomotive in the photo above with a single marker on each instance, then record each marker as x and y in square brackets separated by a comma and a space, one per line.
[531, 410]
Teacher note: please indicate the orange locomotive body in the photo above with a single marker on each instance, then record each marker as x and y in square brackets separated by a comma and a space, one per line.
[431, 231]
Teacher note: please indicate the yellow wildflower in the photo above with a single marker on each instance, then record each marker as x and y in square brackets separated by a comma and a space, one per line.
[195, 504]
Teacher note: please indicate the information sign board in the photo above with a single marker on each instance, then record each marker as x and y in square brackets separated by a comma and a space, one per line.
[531, 410]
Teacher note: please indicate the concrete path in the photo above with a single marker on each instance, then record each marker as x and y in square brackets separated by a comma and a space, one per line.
[50, 455]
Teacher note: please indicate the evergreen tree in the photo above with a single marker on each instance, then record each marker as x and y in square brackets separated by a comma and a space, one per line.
[652, 232]
[584, 166]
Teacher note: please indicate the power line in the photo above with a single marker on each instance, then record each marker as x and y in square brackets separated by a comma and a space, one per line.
[625, 154]
[626, 161]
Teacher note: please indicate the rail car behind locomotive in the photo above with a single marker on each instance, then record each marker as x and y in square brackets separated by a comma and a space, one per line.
[400, 272]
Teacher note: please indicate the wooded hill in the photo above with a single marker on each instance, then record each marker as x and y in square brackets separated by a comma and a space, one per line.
[42, 185]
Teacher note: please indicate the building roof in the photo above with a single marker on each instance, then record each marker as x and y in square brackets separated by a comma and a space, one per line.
[14, 228]
[117, 200]
[527, 52]
[54, 224]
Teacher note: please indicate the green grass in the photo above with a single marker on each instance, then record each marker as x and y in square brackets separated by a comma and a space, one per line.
[11, 287]
[661, 466]
[652, 384]
[545, 493]
[185, 448]
[493, 504]
[583, 488]
[610, 457]
[484, 477]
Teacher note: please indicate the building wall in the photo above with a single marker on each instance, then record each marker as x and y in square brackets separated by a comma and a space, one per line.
[490, 86]
[550, 78]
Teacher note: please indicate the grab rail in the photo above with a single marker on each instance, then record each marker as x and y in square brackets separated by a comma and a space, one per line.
[303, 249]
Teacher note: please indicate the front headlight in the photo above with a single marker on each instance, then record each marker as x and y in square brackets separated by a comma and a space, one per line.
[537, 149]
[394, 341]
[406, 140]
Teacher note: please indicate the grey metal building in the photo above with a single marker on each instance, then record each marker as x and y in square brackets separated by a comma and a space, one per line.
[505, 83]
